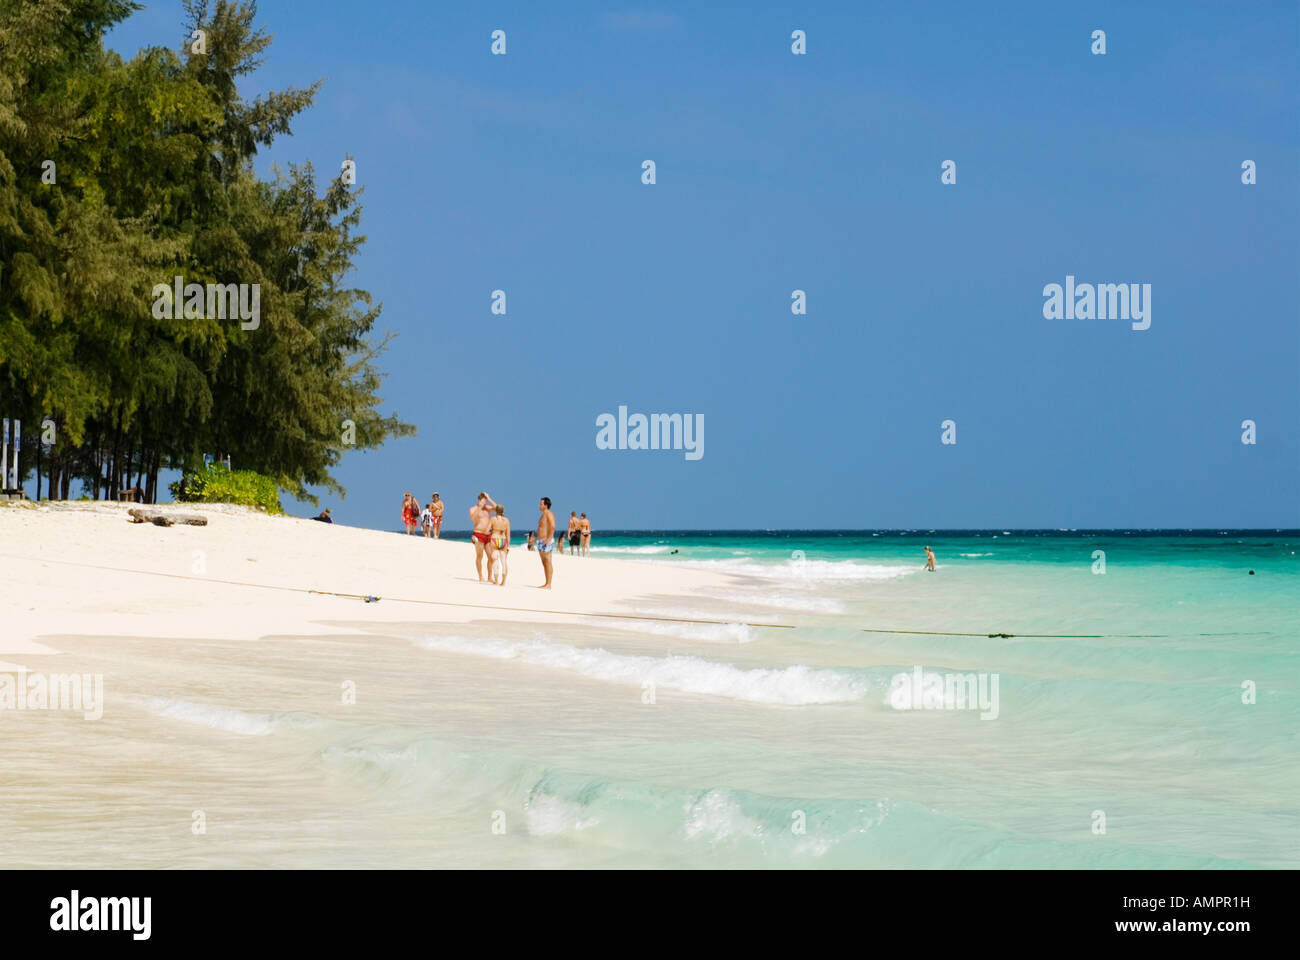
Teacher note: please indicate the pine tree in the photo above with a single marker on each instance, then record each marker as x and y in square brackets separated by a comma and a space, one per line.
[153, 178]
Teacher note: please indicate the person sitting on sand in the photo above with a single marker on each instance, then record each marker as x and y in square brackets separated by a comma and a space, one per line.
[546, 538]
[410, 511]
[499, 546]
[480, 515]
[436, 507]
[531, 541]
[929, 559]
[324, 516]
[584, 527]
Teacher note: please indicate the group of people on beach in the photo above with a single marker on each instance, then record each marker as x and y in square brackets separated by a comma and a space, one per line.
[491, 536]
[490, 533]
[579, 536]
[428, 519]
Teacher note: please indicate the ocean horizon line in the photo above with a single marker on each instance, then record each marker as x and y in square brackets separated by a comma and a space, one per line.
[936, 531]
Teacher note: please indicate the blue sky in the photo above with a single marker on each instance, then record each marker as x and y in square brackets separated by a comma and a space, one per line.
[821, 172]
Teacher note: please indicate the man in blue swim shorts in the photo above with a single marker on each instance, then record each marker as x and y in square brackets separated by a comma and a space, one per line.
[546, 538]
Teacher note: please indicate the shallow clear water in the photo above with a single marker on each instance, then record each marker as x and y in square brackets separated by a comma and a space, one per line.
[639, 743]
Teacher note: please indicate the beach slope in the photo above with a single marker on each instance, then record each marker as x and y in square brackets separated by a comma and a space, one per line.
[85, 569]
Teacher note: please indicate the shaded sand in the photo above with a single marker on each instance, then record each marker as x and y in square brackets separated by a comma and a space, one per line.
[82, 569]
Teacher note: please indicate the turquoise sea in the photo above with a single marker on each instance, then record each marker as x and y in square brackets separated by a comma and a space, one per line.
[1147, 716]
[1142, 718]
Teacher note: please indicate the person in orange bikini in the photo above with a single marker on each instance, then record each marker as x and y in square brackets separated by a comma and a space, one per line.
[480, 515]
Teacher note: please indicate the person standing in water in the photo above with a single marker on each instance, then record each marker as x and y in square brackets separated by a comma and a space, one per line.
[480, 515]
[584, 527]
[499, 546]
[929, 559]
[546, 538]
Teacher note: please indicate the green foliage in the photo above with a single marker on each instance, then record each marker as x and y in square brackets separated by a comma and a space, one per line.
[154, 178]
[218, 484]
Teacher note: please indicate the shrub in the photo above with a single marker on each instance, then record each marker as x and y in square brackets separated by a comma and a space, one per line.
[218, 484]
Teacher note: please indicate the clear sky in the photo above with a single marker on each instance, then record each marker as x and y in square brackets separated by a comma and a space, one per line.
[820, 172]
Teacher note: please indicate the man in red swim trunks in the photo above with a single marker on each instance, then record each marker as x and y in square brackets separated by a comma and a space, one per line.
[480, 515]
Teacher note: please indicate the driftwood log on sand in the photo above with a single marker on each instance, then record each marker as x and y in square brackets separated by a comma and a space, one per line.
[165, 519]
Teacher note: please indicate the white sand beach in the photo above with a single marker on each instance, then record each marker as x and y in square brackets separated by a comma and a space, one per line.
[86, 569]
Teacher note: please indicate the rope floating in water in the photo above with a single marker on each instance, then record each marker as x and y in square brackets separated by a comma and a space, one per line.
[1026, 636]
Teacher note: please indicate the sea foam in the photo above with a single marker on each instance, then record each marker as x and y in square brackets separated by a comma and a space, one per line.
[798, 685]
[808, 571]
[806, 602]
[218, 718]
[733, 631]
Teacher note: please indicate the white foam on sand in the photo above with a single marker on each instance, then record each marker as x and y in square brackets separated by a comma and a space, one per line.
[731, 632]
[218, 718]
[783, 600]
[798, 685]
